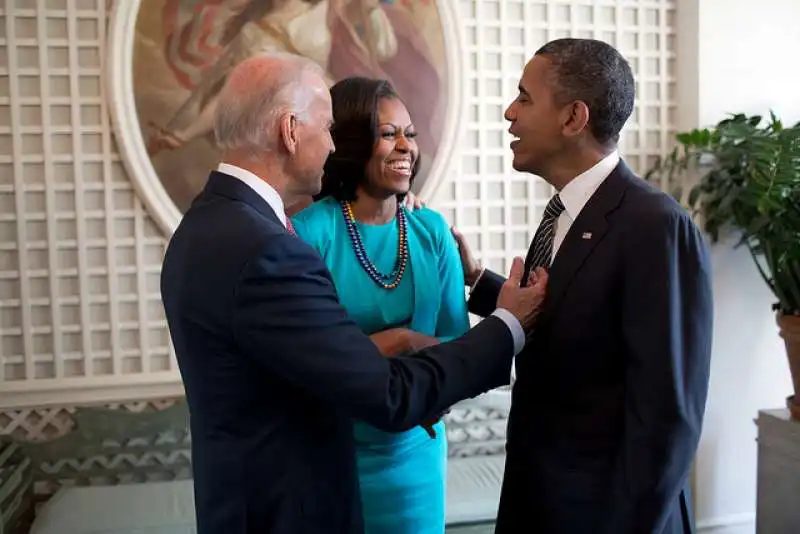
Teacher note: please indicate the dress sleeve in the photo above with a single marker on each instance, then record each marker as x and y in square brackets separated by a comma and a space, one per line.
[453, 319]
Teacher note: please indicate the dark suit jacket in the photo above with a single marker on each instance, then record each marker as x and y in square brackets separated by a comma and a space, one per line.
[274, 371]
[611, 387]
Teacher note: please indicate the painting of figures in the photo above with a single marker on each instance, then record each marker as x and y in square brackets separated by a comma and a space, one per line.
[184, 50]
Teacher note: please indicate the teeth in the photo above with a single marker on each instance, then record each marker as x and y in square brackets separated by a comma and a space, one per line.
[400, 165]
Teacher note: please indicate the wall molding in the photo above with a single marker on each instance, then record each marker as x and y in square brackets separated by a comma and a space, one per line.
[122, 108]
[743, 523]
[87, 391]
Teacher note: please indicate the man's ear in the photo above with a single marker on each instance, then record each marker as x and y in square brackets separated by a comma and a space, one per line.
[288, 129]
[576, 118]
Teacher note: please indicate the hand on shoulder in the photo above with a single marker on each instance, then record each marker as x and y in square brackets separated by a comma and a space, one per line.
[413, 202]
[471, 266]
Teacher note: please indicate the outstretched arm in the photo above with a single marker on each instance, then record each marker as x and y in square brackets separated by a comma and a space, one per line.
[287, 316]
[667, 328]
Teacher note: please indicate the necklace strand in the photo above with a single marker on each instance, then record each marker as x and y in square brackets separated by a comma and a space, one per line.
[386, 281]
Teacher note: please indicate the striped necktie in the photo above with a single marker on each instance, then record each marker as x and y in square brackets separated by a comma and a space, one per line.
[540, 252]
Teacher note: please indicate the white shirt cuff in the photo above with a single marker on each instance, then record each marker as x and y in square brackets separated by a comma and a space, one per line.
[517, 333]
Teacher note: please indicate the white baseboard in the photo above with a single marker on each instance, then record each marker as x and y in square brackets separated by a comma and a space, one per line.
[729, 524]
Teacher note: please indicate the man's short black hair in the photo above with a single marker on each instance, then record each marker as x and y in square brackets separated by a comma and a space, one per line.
[595, 73]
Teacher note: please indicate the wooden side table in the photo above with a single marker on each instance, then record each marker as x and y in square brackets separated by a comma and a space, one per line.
[777, 508]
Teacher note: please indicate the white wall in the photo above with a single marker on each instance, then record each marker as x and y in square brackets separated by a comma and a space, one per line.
[746, 63]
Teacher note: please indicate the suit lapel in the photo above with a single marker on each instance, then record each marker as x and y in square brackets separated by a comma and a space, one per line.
[586, 232]
[234, 189]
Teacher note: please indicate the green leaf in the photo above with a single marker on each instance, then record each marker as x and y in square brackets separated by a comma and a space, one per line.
[694, 195]
[752, 186]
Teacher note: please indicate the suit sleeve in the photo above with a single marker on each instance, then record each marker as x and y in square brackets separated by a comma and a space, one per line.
[667, 329]
[453, 319]
[287, 317]
[483, 298]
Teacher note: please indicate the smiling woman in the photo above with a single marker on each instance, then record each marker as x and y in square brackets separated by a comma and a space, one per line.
[395, 270]
[365, 109]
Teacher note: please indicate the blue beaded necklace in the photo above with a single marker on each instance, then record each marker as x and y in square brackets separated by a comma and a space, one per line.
[386, 281]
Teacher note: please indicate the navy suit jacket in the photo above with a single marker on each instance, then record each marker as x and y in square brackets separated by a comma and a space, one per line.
[611, 387]
[274, 371]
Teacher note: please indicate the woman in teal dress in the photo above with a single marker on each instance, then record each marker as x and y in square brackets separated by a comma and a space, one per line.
[392, 268]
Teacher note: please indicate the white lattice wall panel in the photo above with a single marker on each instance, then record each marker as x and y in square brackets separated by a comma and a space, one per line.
[496, 208]
[79, 257]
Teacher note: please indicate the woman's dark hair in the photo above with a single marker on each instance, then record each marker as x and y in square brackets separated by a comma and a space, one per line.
[355, 132]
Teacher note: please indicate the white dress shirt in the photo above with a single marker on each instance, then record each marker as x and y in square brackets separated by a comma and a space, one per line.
[577, 193]
[264, 190]
[574, 196]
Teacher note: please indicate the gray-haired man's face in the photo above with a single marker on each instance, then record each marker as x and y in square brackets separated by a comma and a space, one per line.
[314, 145]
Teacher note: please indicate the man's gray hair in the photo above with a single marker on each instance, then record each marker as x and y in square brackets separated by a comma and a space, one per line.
[247, 113]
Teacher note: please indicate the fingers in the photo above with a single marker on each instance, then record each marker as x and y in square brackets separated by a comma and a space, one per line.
[459, 237]
[539, 278]
[517, 266]
[413, 202]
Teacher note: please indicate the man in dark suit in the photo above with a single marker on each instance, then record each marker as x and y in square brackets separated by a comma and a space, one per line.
[611, 387]
[273, 368]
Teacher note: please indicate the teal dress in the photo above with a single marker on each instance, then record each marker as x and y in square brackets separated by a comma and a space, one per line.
[401, 475]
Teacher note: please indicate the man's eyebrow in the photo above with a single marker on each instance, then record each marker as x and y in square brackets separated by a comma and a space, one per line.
[522, 90]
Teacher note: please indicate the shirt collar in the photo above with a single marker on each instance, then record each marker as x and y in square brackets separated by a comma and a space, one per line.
[264, 190]
[577, 192]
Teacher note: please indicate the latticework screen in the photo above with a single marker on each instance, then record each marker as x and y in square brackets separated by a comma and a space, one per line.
[79, 256]
[497, 208]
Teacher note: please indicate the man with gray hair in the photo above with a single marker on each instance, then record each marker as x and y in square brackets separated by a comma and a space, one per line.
[274, 370]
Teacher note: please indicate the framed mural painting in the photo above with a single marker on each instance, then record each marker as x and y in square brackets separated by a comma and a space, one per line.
[169, 59]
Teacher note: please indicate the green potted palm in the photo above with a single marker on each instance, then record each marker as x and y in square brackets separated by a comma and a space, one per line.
[743, 176]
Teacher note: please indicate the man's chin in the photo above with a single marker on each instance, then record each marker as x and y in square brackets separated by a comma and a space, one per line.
[522, 164]
[518, 163]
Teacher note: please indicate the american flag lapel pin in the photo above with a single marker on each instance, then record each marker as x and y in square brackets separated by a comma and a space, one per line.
[587, 235]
